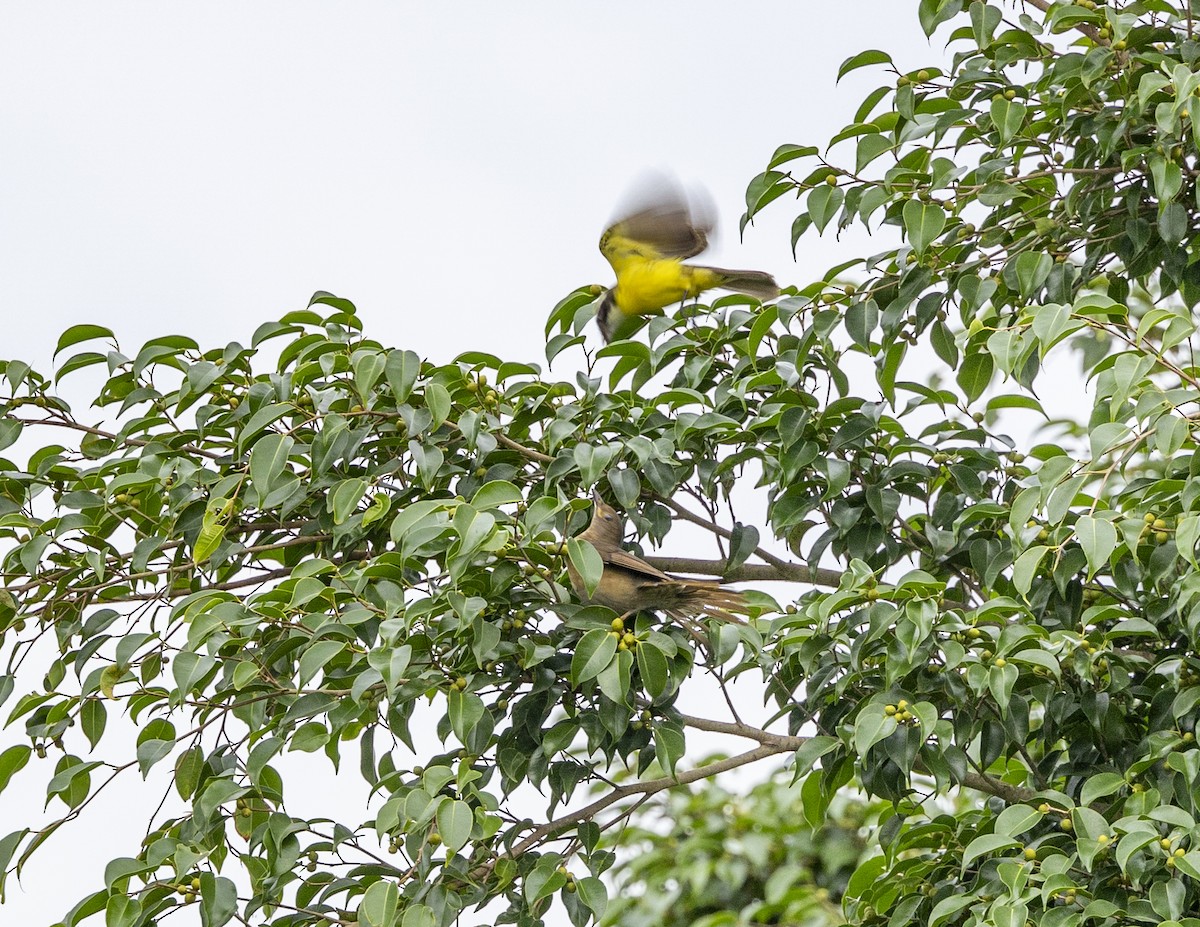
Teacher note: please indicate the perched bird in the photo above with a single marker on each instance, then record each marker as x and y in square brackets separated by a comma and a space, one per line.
[646, 249]
[629, 584]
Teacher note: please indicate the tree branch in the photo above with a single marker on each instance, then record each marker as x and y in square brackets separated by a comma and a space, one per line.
[740, 729]
[781, 570]
[1086, 28]
[1013, 794]
[512, 445]
[649, 787]
[61, 421]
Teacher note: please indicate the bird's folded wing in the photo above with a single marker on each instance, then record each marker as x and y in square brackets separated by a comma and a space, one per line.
[627, 561]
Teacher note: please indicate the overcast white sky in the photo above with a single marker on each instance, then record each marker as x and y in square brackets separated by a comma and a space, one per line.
[202, 168]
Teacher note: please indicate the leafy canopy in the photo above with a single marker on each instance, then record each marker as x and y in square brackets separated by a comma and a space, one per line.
[320, 544]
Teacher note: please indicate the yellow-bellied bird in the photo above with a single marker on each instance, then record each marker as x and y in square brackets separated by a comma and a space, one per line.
[647, 248]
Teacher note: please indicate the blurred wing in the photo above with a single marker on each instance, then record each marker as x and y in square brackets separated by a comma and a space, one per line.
[662, 227]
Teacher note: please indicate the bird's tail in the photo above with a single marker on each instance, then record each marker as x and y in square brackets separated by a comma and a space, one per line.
[714, 601]
[756, 283]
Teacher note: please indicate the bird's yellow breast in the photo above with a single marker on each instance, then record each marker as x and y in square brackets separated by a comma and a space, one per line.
[645, 287]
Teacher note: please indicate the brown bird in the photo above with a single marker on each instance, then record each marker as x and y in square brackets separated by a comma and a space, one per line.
[629, 584]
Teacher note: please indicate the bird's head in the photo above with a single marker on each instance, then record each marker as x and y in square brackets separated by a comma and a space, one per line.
[608, 315]
[606, 526]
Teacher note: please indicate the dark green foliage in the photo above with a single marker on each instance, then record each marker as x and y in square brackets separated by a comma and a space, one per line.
[320, 544]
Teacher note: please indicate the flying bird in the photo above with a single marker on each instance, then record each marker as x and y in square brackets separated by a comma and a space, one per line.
[647, 248]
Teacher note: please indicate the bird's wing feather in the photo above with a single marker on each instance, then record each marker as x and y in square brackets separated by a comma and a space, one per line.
[661, 228]
[624, 560]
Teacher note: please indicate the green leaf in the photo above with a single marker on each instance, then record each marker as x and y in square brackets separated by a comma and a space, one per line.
[122, 911]
[316, 657]
[871, 726]
[763, 189]
[1016, 819]
[587, 562]
[984, 20]
[813, 749]
[1189, 864]
[1033, 657]
[343, 501]
[1187, 534]
[975, 374]
[268, 460]
[190, 670]
[418, 915]
[593, 653]
[1015, 402]
[933, 13]
[786, 153]
[1173, 223]
[466, 709]
[545, 879]
[1052, 323]
[368, 367]
[79, 333]
[10, 430]
[592, 461]
[669, 745]
[325, 298]
[593, 894]
[1028, 272]
[272, 412]
[121, 868]
[1007, 116]
[942, 340]
[1100, 786]
[1167, 176]
[8, 846]
[653, 669]
[984, 845]
[616, 678]
[1001, 680]
[495, 494]
[950, 906]
[1131, 843]
[218, 899]
[455, 820]
[309, 737]
[923, 222]
[743, 541]
[861, 321]
[401, 370]
[997, 193]
[437, 400]
[823, 203]
[380, 905]
[862, 60]
[627, 487]
[150, 752]
[1026, 567]
[207, 541]
[1098, 538]
[11, 762]
[79, 362]
[188, 767]
[1105, 437]
[869, 148]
